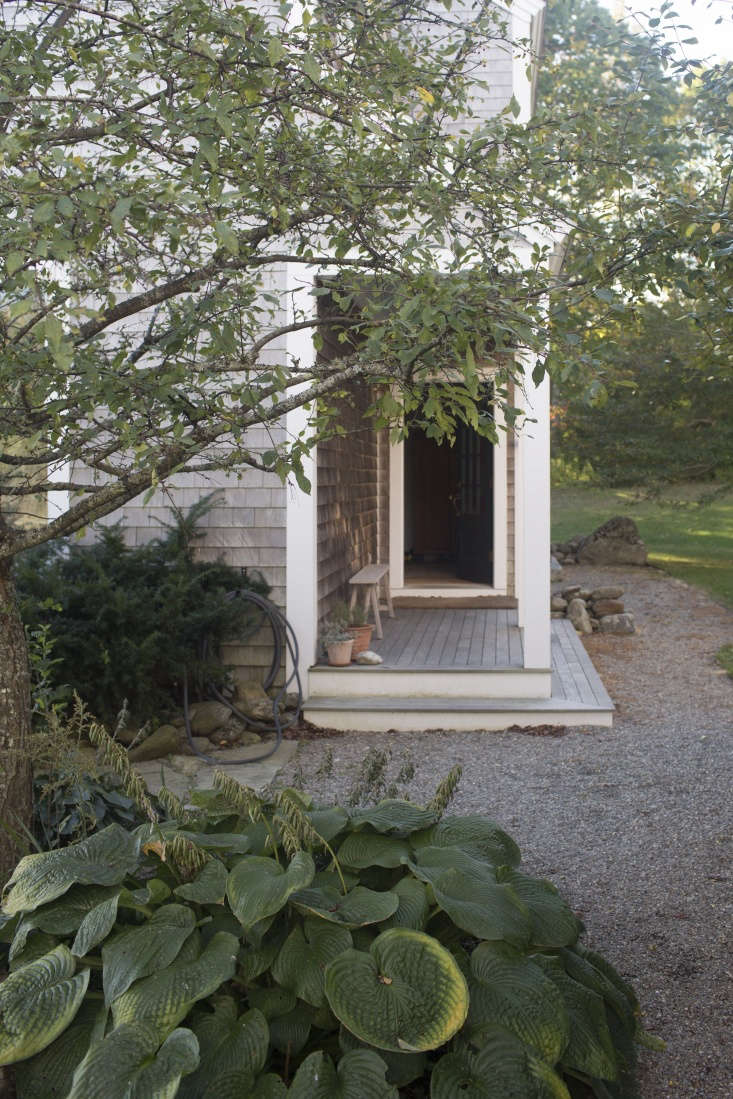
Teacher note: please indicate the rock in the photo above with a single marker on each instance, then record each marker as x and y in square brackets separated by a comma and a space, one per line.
[607, 606]
[207, 716]
[200, 743]
[557, 603]
[253, 700]
[578, 615]
[616, 542]
[594, 623]
[163, 742]
[606, 593]
[556, 572]
[233, 733]
[617, 623]
[127, 735]
[584, 593]
[367, 657]
[573, 590]
[557, 614]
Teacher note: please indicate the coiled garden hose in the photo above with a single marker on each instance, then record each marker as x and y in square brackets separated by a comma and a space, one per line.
[283, 639]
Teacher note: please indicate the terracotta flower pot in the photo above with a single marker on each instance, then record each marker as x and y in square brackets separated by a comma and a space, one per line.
[362, 636]
[339, 654]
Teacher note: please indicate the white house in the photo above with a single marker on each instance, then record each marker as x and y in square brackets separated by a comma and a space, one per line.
[463, 530]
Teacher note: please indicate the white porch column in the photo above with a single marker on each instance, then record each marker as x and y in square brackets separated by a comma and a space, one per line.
[533, 524]
[301, 561]
[396, 515]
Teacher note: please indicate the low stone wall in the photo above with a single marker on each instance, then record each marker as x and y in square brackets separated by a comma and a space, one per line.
[600, 610]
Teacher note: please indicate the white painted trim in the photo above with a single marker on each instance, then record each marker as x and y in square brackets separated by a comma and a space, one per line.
[301, 559]
[397, 516]
[428, 683]
[421, 721]
[533, 521]
[501, 505]
[455, 592]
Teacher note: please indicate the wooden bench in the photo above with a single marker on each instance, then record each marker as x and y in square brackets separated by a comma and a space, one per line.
[369, 578]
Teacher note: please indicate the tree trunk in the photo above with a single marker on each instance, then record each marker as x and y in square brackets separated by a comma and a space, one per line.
[15, 724]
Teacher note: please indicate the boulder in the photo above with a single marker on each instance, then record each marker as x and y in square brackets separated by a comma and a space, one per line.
[127, 735]
[568, 593]
[616, 542]
[617, 623]
[607, 606]
[606, 593]
[557, 614]
[163, 742]
[205, 717]
[556, 571]
[368, 657]
[253, 700]
[578, 615]
[557, 603]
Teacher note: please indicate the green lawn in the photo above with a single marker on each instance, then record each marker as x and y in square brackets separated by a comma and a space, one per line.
[688, 539]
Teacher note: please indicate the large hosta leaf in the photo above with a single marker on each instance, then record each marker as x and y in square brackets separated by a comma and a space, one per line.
[329, 822]
[502, 1069]
[208, 887]
[105, 858]
[96, 926]
[401, 818]
[413, 908]
[290, 1032]
[259, 887]
[37, 1003]
[140, 951]
[63, 916]
[165, 998]
[357, 908]
[301, 963]
[229, 1046]
[407, 993]
[509, 990]
[48, 1074]
[362, 849]
[484, 909]
[127, 1064]
[402, 1068]
[431, 862]
[590, 1049]
[360, 1075]
[553, 923]
[476, 834]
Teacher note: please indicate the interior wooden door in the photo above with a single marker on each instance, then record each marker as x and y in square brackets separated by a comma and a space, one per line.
[474, 506]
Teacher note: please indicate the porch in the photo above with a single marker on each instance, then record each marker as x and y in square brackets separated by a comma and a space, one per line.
[459, 668]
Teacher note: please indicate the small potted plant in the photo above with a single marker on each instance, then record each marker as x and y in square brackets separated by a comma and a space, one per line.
[353, 620]
[338, 644]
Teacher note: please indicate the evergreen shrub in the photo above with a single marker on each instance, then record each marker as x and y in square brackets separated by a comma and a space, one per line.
[124, 622]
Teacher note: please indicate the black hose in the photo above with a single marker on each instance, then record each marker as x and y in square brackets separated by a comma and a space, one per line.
[283, 637]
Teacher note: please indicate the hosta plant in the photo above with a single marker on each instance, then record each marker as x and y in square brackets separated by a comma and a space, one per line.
[245, 950]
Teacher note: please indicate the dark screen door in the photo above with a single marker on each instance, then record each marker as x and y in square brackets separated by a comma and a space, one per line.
[474, 506]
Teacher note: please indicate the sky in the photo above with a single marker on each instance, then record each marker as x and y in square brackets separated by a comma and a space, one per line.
[715, 40]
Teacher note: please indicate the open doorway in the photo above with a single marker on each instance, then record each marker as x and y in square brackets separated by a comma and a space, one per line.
[449, 510]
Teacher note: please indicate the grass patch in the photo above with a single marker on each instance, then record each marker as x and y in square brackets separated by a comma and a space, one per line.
[687, 536]
[724, 656]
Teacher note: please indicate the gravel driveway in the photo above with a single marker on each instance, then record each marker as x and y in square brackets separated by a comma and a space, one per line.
[632, 823]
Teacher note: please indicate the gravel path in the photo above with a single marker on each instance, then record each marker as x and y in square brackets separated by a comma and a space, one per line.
[633, 824]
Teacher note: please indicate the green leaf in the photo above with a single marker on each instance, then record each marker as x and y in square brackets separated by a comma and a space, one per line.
[259, 887]
[553, 923]
[406, 994]
[37, 1003]
[356, 908]
[362, 849]
[290, 1032]
[228, 1045]
[63, 916]
[125, 1064]
[475, 834]
[208, 887]
[120, 211]
[328, 823]
[391, 815]
[275, 51]
[96, 926]
[414, 907]
[360, 1075]
[140, 951]
[301, 963]
[507, 989]
[590, 1049]
[162, 1000]
[502, 1067]
[48, 1074]
[103, 859]
[486, 910]
[14, 261]
[227, 237]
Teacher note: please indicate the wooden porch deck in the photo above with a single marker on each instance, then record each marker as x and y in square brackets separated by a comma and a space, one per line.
[419, 639]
